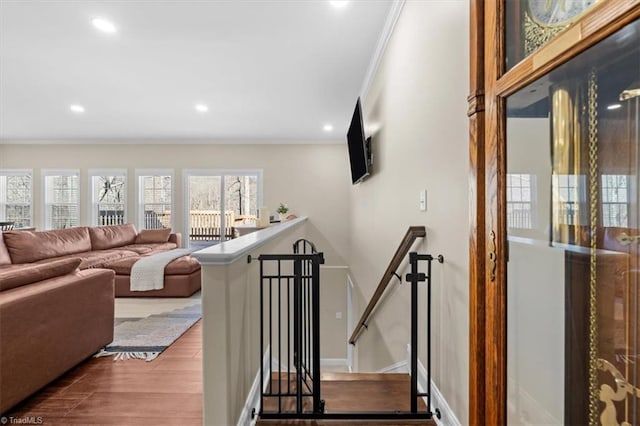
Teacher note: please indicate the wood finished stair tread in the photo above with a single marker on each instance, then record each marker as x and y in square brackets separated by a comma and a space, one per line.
[379, 377]
[349, 392]
[346, 422]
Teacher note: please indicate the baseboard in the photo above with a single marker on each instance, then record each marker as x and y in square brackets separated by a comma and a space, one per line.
[253, 399]
[334, 362]
[447, 416]
[398, 367]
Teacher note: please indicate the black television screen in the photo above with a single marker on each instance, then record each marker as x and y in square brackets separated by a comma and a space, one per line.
[357, 147]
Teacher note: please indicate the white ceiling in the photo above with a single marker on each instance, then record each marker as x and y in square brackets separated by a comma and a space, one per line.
[268, 70]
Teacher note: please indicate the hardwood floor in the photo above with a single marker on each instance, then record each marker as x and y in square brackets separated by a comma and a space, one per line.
[166, 391]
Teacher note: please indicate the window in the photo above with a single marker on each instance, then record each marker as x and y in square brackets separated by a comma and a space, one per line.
[61, 198]
[16, 194]
[569, 199]
[615, 198]
[237, 193]
[520, 200]
[108, 196]
[155, 198]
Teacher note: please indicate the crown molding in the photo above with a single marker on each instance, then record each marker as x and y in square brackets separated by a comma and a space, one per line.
[381, 47]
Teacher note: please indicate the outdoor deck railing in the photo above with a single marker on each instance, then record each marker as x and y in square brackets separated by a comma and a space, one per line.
[203, 224]
[206, 225]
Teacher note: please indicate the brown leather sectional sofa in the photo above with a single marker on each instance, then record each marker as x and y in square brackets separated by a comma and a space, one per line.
[52, 317]
[115, 247]
[57, 297]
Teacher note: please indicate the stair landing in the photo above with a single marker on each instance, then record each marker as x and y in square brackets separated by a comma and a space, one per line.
[355, 392]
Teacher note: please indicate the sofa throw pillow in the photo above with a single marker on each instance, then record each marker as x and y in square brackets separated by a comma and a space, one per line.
[32, 246]
[106, 237]
[150, 236]
[12, 277]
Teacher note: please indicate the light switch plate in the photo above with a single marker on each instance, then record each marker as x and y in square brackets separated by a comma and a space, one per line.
[423, 200]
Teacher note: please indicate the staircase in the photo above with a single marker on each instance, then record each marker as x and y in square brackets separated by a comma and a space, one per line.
[294, 390]
[352, 393]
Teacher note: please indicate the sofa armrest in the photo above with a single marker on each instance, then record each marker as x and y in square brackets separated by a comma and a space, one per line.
[49, 327]
[176, 238]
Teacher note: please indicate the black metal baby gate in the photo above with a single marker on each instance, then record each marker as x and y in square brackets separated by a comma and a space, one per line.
[290, 328]
[290, 283]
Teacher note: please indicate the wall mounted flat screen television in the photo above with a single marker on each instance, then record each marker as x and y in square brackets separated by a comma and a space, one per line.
[359, 153]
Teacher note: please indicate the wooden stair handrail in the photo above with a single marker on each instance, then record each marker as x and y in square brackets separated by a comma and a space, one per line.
[413, 233]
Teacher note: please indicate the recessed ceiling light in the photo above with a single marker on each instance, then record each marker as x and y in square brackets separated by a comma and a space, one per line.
[338, 3]
[103, 25]
[78, 109]
[327, 127]
[201, 108]
[614, 106]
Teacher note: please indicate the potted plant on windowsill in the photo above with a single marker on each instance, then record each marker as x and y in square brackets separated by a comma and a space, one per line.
[282, 212]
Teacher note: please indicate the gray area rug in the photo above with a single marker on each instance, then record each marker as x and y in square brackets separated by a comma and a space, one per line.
[146, 338]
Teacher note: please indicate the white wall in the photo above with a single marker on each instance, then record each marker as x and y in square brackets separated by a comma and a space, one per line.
[418, 100]
[312, 179]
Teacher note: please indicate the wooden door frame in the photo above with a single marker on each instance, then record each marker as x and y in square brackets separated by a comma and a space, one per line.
[489, 87]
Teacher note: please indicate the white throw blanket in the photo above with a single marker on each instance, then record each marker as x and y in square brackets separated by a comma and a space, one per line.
[148, 272]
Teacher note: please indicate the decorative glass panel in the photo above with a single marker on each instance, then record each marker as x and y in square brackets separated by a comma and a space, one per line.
[532, 23]
[573, 279]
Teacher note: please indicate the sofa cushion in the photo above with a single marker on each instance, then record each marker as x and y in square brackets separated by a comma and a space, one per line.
[147, 236]
[102, 258]
[96, 259]
[5, 259]
[31, 246]
[106, 237]
[16, 276]
[138, 248]
[181, 266]
[146, 249]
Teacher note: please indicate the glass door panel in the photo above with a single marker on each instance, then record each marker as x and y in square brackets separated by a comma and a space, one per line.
[204, 218]
[241, 198]
[573, 276]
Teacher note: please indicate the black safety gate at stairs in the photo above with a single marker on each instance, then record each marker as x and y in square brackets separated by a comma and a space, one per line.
[290, 333]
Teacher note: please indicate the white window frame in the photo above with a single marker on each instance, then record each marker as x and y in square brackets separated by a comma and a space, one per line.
[3, 202]
[186, 173]
[46, 220]
[139, 173]
[93, 207]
